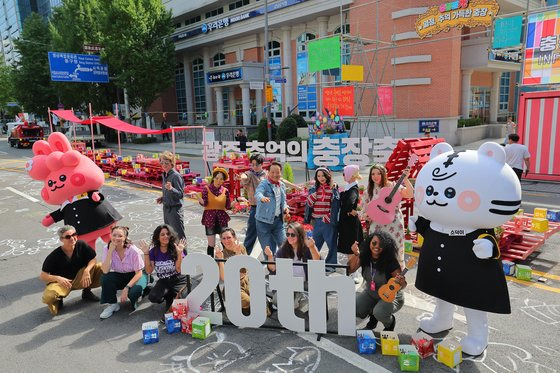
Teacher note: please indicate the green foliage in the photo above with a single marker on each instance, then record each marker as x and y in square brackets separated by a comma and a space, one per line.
[262, 133]
[6, 86]
[347, 125]
[287, 172]
[144, 140]
[301, 123]
[253, 136]
[297, 139]
[469, 122]
[31, 77]
[287, 129]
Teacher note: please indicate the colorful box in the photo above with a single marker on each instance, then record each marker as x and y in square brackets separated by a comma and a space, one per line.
[186, 324]
[424, 344]
[366, 341]
[508, 267]
[523, 272]
[553, 215]
[409, 360]
[449, 353]
[389, 343]
[106, 175]
[201, 327]
[173, 325]
[539, 212]
[150, 332]
[407, 246]
[539, 225]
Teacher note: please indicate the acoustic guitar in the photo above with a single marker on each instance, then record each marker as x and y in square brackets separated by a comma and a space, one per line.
[382, 209]
[388, 291]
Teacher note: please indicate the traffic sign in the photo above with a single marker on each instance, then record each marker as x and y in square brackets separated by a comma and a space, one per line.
[70, 67]
[279, 80]
[269, 95]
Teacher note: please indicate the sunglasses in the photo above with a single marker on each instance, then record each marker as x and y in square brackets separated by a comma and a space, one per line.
[69, 236]
[291, 234]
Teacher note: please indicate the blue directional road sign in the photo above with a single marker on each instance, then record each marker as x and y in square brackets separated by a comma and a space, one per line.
[280, 80]
[81, 68]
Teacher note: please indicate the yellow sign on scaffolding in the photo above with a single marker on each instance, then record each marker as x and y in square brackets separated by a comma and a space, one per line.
[269, 94]
[353, 73]
[456, 14]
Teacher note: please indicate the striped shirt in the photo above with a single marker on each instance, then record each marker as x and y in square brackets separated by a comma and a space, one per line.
[133, 260]
[320, 202]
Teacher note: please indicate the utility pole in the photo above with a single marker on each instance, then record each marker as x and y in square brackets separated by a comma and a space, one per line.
[267, 71]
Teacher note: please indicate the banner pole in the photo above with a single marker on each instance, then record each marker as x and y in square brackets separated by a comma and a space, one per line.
[118, 132]
[173, 142]
[91, 128]
[74, 126]
[50, 119]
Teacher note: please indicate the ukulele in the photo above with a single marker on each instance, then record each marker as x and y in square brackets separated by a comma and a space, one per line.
[382, 210]
[388, 291]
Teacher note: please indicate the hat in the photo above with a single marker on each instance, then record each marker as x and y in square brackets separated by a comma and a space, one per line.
[222, 170]
[350, 171]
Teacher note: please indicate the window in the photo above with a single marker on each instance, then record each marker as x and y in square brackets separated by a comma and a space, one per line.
[238, 4]
[276, 72]
[504, 92]
[219, 59]
[178, 25]
[225, 99]
[192, 20]
[302, 39]
[345, 52]
[199, 88]
[214, 13]
[180, 88]
[306, 81]
[273, 48]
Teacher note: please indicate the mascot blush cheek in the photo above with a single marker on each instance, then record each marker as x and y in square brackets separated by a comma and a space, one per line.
[72, 181]
[462, 197]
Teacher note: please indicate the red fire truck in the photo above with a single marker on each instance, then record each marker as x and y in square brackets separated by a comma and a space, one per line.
[25, 134]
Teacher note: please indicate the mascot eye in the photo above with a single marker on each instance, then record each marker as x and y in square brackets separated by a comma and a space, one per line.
[62, 177]
[50, 183]
[449, 192]
[429, 190]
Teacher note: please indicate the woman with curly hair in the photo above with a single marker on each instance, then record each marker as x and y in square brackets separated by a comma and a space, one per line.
[377, 255]
[164, 256]
[122, 267]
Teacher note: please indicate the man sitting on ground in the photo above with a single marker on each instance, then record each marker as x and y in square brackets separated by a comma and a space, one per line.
[70, 266]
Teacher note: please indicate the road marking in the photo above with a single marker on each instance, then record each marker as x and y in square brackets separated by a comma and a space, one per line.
[21, 210]
[350, 357]
[541, 204]
[22, 194]
[533, 284]
[547, 275]
[422, 304]
[1, 152]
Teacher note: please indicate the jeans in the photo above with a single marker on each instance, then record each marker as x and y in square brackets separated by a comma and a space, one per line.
[166, 289]
[251, 235]
[326, 233]
[272, 235]
[113, 281]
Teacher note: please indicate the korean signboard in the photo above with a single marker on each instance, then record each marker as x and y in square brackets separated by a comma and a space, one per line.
[385, 101]
[339, 98]
[307, 90]
[458, 14]
[428, 125]
[542, 49]
[80, 68]
[224, 76]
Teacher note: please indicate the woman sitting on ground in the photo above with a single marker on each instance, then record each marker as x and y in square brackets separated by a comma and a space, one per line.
[232, 247]
[122, 267]
[164, 255]
[378, 257]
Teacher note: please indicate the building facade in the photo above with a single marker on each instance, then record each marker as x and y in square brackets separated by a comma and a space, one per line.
[220, 71]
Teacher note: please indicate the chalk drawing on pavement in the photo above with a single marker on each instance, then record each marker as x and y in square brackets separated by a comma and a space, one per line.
[548, 314]
[303, 359]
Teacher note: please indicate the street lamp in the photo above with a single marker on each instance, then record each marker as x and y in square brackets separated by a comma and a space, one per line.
[267, 71]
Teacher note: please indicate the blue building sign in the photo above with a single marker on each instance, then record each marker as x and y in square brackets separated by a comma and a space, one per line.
[224, 76]
[80, 68]
[431, 125]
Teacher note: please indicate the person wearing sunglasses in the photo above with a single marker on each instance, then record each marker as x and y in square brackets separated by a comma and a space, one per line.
[122, 267]
[300, 249]
[71, 266]
[172, 187]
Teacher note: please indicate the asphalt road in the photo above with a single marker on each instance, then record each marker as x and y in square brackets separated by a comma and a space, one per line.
[32, 340]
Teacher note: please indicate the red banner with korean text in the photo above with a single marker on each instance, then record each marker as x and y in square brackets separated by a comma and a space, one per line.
[385, 101]
[339, 98]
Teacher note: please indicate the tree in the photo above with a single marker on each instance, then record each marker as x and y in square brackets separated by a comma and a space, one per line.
[31, 77]
[138, 47]
[6, 88]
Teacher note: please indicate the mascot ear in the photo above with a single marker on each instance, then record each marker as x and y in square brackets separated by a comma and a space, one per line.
[59, 142]
[494, 151]
[41, 147]
[72, 158]
[440, 148]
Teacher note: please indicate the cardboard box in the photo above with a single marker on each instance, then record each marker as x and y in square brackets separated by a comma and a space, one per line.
[201, 327]
[523, 272]
[366, 341]
[449, 353]
[407, 246]
[389, 343]
[539, 225]
[150, 332]
[539, 212]
[409, 360]
[553, 215]
[508, 267]
[173, 325]
[424, 344]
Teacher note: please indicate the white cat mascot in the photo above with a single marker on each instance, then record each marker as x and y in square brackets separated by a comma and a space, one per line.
[461, 197]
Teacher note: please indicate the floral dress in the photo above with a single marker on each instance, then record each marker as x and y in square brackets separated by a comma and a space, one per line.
[395, 228]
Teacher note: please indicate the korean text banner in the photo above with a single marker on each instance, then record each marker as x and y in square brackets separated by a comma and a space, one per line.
[324, 54]
[507, 32]
[542, 52]
[80, 68]
[339, 98]
[385, 101]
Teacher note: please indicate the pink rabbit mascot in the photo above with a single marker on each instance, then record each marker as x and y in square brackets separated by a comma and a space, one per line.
[72, 181]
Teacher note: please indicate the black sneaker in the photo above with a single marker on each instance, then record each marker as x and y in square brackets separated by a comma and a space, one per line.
[391, 327]
[372, 323]
[60, 304]
[88, 295]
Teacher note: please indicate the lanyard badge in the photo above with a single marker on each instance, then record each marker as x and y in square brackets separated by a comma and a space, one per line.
[372, 283]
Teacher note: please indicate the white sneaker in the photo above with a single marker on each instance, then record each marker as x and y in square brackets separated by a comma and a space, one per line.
[108, 312]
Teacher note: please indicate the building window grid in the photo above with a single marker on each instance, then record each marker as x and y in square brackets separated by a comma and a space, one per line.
[199, 88]
[180, 88]
[504, 92]
[301, 46]
[214, 12]
[238, 4]
[219, 59]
